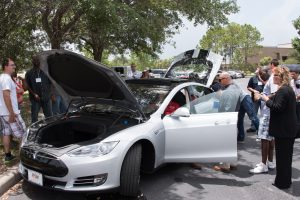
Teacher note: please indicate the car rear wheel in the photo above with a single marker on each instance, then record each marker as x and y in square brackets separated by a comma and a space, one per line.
[130, 172]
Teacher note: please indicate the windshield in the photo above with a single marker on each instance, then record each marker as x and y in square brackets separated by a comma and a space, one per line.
[150, 97]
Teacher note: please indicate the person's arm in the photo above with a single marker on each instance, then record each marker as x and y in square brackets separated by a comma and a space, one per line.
[7, 101]
[277, 104]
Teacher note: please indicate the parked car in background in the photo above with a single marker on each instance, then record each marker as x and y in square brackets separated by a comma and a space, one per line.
[123, 71]
[158, 73]
[233, 74]
[114, 130]
[240, 74]
[293, 67]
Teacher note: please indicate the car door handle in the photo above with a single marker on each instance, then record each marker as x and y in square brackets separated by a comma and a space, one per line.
[222, 122]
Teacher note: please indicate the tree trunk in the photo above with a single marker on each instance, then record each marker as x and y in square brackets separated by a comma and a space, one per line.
[97, 53]
[246, 58]
[56, 43]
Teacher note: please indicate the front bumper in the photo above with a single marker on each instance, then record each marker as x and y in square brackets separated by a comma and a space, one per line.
[83, 173]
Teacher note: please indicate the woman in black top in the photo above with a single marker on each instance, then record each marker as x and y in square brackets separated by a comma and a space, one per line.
[283, 125]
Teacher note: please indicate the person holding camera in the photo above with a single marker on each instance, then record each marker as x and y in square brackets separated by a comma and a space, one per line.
[283, 125]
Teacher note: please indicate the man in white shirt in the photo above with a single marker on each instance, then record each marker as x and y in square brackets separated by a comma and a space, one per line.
[134, 73]
[11, 122]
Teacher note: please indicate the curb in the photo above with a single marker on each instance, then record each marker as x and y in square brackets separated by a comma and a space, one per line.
[9, 179]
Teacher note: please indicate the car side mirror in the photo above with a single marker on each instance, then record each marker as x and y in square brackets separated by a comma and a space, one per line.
[181, 112]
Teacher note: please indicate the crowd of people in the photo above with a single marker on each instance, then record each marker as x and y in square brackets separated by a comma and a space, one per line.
[42, 94]
[275, 91]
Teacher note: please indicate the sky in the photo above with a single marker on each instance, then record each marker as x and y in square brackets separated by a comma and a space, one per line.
[272, 18]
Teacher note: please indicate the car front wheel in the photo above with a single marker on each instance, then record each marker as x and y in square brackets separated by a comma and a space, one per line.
[130, 172]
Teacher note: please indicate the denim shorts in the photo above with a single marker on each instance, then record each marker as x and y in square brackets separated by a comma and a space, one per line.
[17, 128]
[263, 130]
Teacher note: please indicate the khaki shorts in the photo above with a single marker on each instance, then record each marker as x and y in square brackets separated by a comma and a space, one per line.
[17, 128]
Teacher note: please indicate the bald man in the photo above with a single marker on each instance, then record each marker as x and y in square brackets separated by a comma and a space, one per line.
[235, 99]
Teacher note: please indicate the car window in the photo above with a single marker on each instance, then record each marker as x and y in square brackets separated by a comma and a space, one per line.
[180, 99]
[203, 100]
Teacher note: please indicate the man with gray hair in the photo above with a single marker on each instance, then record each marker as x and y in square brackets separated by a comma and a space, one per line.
[233, 99]
[231, 92]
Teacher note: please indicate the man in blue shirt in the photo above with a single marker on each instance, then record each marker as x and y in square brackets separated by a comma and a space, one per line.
[39, 87]
[255, 84]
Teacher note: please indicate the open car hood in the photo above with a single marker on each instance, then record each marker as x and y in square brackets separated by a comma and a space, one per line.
[197, 64]
[75, 76]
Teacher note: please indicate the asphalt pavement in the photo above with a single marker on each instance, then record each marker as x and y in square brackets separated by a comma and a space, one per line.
[181, 182]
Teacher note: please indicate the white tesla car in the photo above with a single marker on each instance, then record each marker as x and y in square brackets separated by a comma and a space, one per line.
[114, 130]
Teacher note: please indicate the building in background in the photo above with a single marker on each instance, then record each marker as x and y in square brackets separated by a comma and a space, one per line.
[280, 52]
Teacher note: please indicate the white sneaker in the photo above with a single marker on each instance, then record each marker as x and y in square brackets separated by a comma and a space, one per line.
[271, 165]
[259, 168]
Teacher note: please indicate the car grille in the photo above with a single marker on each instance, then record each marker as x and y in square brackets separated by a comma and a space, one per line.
[43, 163]
[47, 182]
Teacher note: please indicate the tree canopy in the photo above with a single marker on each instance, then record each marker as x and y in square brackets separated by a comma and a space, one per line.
[296, 41]
[236, 42]
[101, 27]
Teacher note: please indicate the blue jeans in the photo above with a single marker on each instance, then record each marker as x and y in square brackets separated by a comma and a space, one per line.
[58, 106]
[246, 107]
[256, 105]
[36, 106]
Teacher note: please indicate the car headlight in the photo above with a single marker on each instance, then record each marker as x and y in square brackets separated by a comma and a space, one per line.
[95, 149]
[24, 138]
[29, 132]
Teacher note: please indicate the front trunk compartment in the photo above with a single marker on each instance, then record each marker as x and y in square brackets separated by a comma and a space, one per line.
[81, 130]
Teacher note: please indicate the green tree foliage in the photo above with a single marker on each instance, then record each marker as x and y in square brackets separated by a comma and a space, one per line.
[143, 26]
[249, 42]
[296, 41]
[213, 39]
[59, 19]
[265, 61]
[295, 56]
[17, 39]
[100, 28]
[234, 41]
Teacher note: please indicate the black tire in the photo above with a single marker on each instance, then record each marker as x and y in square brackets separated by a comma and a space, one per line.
[130, 172]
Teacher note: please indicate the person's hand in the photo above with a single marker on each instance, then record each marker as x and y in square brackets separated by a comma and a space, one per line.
[53, 98]
[257, 96]
[264, 97]
[37, 98]
[298, 97]
[12, 118]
